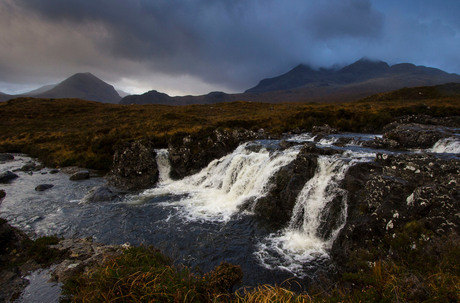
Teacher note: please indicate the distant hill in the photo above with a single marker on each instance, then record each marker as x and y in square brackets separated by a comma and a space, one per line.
[155, 97]
[83, 86]
[304, 84]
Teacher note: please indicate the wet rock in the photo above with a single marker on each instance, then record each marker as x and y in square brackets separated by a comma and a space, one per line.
[43, 187]
[100, 194]
[134, 166]
[286, 144]
[7, 177]
[393, 193]
[191, 153]
[275, 209]
[2, 194]
[6, 157]
[54, 171]
[13, 244]
[30, 166]
[80, 175]
[82, 255]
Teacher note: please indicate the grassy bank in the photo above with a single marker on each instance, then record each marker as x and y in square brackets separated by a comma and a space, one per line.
[142, 274]
[68, 132]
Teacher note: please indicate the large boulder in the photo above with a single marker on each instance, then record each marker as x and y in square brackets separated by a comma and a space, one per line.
[188, 154]
[134, 166]
[415, 135]
[393, 196]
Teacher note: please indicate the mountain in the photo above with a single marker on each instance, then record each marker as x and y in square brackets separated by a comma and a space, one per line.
[83, 86]
[39, 90]
[362, 74]
[155, 97]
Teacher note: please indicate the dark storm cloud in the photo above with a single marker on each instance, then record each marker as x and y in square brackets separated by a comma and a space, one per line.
[228, 44]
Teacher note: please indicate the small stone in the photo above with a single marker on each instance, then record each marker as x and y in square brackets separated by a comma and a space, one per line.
[43, 187]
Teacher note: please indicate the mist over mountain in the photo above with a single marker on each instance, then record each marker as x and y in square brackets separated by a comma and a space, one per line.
[305, 84]
[377, 73]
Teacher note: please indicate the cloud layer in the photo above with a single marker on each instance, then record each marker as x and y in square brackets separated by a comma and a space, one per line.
[185, 46]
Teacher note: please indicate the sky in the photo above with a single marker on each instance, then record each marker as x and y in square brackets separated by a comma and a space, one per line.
[183, 47]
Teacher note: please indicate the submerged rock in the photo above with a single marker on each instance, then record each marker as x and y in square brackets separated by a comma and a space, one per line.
[7, 176]
[80, 175]
[2, 194]
[43, 187]
[134, 166]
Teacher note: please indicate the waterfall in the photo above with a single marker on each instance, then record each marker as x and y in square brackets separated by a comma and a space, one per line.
[446, 145]
[305, 238]
[216, 192]
[164, 168]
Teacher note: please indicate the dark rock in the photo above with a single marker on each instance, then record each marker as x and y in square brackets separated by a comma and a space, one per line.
[191, 153]
[2, 194]
[43, 187]
[394, 192]
[100, 194]
[13, 246]
[80, 175]
[54, 171]
[275, 209]
[30, 166]
[6, 157]
[7, 176]
[415, 135]
[323, 130]
[287, 144]
[428, 120]
[134, 166]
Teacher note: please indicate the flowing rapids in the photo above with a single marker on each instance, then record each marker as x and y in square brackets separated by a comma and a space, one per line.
[215, 193]
[294, 248]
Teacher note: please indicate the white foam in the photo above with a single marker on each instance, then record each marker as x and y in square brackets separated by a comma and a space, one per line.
[446, 145]
[216, 192]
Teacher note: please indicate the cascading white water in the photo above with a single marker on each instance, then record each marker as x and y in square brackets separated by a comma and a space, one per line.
[446, 145]
[301, 242]
[216, 192]
[164, 168]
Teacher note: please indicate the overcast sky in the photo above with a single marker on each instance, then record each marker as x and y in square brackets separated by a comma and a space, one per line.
[197, 46]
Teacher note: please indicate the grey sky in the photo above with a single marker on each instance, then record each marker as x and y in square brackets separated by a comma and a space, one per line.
[196, 46]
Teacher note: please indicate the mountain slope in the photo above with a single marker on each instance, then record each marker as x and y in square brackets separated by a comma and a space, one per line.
[83, 86]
